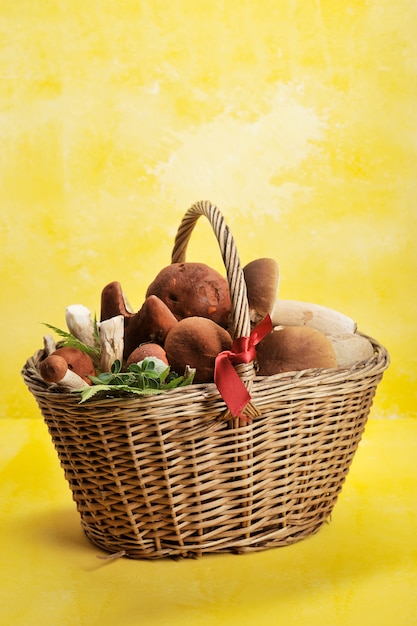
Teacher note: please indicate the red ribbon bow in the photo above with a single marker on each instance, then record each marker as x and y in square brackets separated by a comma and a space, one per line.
[227, 380]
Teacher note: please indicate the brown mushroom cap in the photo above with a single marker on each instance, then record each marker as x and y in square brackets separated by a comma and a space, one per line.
[193, 289]
[196, 341]
[53, 368]
[147, 350]
[77, 361]
[151, 323]
[262, 282]
[114, 302]
[294, 348]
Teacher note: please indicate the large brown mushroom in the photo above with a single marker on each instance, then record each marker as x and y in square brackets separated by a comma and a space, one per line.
[196, 341]
[294, 348]
[193, 289]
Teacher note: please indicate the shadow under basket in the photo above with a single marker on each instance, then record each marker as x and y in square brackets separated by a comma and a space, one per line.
[171, 476]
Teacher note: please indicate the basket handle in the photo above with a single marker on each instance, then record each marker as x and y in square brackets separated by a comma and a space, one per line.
[240, 323]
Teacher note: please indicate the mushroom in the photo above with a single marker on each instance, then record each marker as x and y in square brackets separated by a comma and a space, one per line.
[294, 348]
[195, 342]
[80, 324]
[262, 283]
[193, 289]
[55, 369]
[49, 344]
[114, 302]
[151, 323]
[147, 350]
[297, 313]
[78, 361]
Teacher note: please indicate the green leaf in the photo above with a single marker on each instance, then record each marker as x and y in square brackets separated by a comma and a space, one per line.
[116, 367]
[73, 342]
[89, 392]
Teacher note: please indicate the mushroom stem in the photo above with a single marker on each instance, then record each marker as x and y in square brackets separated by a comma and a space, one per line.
[297, 313]
[80, 324]
[49, 344]
[351, 348]
[54, 369]
[111, 333]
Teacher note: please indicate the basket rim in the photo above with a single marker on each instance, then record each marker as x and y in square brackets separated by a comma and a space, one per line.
[373, 366]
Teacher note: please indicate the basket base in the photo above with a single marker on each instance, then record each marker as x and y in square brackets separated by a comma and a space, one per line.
[248, 545]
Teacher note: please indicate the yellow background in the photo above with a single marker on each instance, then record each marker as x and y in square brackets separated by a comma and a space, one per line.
[298, 119]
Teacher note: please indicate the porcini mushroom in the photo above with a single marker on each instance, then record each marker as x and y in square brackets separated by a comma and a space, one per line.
[114, 302]
[294, 348]
[147, 350]
[78, 361]
[196, 341]
[262, 283]
[193, 289]
[54, 369]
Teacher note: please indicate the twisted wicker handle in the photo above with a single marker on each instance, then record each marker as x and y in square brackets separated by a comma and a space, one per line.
[240, 323]
[237, 285]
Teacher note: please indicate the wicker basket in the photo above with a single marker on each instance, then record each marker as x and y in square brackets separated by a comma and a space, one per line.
[171, 476]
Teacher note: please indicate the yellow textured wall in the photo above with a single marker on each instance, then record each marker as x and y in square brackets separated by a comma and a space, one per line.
[298, 119]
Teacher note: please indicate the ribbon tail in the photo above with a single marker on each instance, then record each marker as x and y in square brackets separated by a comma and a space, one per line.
[230, 386]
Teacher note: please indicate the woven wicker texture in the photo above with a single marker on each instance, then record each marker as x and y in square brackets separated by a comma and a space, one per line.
[168, 475]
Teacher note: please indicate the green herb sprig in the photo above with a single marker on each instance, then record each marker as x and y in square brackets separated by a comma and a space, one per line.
[149, 377]
[72, 342]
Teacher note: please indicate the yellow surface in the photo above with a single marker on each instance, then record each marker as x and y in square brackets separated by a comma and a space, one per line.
[358, 569]
[298, 119]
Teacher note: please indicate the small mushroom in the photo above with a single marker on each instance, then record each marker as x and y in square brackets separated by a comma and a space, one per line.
[193, 290]
[262, 283]
[55, 369]
[78, 361]
[195, 342]
[147, 350]
[151, 323]
[294, 348]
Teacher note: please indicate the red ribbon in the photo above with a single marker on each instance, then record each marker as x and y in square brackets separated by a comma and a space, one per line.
[227, 380]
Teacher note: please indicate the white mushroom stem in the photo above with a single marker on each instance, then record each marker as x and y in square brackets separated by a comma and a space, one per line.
[351, 348]
[297, 313]
[111, 333]
[49, 344]
[80, 324]
[72, 381]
